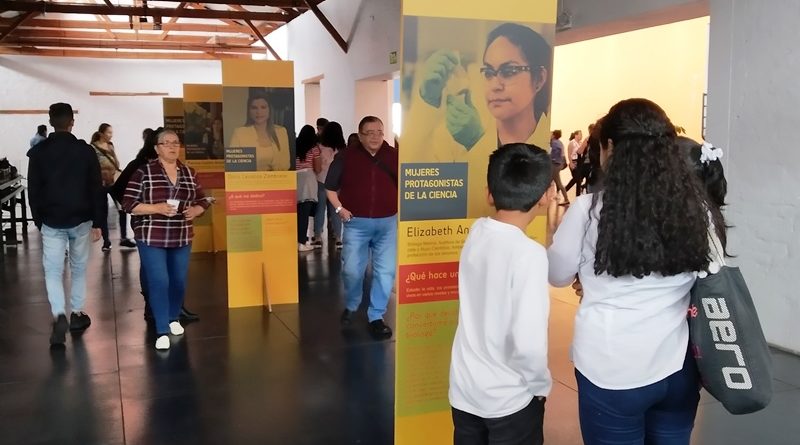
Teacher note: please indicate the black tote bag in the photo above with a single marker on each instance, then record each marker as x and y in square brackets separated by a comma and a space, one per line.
[731, 352]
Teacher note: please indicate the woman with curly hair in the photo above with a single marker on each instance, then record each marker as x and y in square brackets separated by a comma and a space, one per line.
[635, 247]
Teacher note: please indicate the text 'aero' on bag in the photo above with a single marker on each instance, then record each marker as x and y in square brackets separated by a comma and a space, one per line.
[731, 352]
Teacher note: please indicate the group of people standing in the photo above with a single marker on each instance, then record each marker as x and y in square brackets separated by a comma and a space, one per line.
[68, 185]
[632, 249]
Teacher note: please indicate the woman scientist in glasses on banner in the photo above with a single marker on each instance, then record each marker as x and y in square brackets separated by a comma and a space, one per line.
[463, 111]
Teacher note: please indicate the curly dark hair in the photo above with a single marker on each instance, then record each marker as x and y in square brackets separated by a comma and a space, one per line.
[654, 218]
[712, 177]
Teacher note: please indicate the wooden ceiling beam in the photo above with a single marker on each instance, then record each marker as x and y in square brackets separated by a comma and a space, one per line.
[130, 44]
[19, 20]
[122, 54]
[67, 8]
[164, 34]
[31, 33]
[270, 3]
[328, 25]
[263, 40]
[81, 24]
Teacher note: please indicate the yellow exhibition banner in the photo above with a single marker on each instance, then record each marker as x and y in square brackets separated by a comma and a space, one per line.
[477, 75]
[203, 151]
[260, 182]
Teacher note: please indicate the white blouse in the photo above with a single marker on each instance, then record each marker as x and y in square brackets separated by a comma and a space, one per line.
[629, 332]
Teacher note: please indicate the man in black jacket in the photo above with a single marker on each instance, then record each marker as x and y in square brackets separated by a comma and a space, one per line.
[67, 203]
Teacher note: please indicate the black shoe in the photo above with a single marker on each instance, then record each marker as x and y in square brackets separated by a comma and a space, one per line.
[59, 335]
[79, 321]
[106, 247]
[127, 243]
[188, 316]
[379, 329]
[346, 318]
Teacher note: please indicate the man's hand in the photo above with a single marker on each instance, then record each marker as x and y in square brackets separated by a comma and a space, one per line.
[96, 235]
[345, 214]
[193, 212]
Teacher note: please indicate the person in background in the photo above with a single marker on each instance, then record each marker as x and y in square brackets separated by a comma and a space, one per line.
[499, 379]
[146, 154]
[362, 187]
[352, 139]
[575, 140]
[579, 161]
[146, 133]
[66, 197]
[41, 134]
[321, 123]
[557, 158]
[635, 248]
[331, 141]
[308, 164]
[270, 140]
[164, 198]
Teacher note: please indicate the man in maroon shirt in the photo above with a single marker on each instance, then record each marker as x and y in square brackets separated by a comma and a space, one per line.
[362, 186]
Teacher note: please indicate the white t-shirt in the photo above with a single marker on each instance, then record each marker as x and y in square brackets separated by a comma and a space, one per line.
[629, 332]
[572, 149]
[499, 360]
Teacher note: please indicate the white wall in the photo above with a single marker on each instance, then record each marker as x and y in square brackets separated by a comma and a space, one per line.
[374, 98]
[28, 82]
[373, 29]
[753, 97]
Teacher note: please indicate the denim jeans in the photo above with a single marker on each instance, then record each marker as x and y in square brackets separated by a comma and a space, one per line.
[165, 275]
[54, 243]
[319, 217]
[658, 414]
[366, 238]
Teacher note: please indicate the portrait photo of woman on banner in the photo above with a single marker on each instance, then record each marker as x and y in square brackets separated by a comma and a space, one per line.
[263, 130]
[477, 86]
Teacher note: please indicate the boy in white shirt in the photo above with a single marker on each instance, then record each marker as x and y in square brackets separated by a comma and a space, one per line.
[498, 373]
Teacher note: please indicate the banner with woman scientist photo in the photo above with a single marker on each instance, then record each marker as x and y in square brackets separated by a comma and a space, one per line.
[475, 75]
[260, 184]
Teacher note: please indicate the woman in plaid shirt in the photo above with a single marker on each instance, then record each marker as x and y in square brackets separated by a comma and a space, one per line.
[164, 197]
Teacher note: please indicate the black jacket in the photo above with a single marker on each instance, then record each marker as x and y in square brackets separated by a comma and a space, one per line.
[64, 185]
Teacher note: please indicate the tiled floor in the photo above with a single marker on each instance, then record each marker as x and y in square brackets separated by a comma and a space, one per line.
[245, 376]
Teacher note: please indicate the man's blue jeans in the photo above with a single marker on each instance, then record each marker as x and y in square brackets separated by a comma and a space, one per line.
[165, 272]
[658, 414]
[365, 238]
[54, 243]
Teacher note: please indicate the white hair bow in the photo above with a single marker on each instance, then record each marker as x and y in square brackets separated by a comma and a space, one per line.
[709, 153]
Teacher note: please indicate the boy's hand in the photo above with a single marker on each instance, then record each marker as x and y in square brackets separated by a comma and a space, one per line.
[578, 289]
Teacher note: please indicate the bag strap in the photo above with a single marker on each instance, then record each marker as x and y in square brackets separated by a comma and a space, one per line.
[381, 165]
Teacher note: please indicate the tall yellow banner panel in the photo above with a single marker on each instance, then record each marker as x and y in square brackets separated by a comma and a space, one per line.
[476, 75]
[203, 151]
[260, 182]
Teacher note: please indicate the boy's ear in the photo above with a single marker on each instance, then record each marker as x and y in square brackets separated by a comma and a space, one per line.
[489, 197]
[548, 196]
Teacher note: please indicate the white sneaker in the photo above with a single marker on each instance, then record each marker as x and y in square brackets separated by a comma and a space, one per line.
[304, 248]
[162, 344]
[175, 328]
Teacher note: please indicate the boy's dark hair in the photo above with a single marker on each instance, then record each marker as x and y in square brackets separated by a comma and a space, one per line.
[518, 176]
[557, 134]
[322, 122]
[61, 115]
[41, 130]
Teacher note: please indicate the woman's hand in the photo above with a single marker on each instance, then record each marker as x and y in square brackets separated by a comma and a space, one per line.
[162, 208]
[193, 212]
[345, 215]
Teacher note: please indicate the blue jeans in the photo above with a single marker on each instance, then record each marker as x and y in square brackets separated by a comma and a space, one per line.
[165, 275]
[365, 238]
[319, 217]
[658, 414]
[54, 243]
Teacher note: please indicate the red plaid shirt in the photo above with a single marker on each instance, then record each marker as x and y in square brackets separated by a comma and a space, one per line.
[150, 185]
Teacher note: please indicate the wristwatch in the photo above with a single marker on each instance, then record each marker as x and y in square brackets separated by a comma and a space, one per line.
[338, 209]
